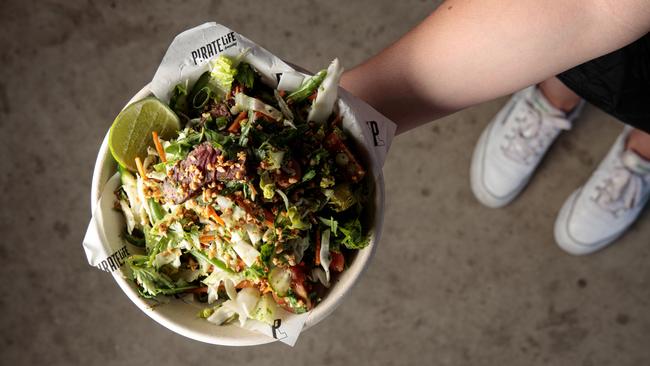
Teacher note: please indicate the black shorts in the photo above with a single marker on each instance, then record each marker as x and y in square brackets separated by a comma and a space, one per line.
[618, 83]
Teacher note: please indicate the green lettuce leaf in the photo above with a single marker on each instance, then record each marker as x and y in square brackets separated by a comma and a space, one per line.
[353, 237]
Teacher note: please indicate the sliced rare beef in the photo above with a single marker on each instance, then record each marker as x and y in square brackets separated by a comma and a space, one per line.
[203, 166]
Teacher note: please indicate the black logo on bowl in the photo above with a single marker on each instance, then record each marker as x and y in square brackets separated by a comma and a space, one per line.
[209, 50]
[374, 129]
[275, 328]
[114, 261]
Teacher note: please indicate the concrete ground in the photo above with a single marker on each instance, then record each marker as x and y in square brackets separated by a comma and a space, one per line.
[453, 282]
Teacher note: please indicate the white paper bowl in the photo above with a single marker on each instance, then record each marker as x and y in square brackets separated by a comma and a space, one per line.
[181, 317]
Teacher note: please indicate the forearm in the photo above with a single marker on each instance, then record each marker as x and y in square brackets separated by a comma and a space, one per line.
[468, 52]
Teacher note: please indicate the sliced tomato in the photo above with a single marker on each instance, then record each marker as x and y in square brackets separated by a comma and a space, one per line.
[298, 284]
[338, 261]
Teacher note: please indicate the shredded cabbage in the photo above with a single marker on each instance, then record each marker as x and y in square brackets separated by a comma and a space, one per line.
[299, 247]
[221, 315]
[245, 250]
[266, 309]
[284, 107]
[224, 203]
[290, 81]
[218, 277]
[142, 198]
[130, 187]
[319, 274]
[170, 256]
[245, 103]
[242, 303]
[254, 233]
[325, 257]
[323, 105]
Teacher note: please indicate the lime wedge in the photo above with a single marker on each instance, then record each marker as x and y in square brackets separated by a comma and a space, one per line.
[130, 134]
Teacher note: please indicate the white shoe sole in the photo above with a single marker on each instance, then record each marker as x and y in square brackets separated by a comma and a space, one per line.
[566, 241]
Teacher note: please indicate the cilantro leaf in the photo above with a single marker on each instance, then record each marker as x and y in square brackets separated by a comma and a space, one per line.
[245, 75]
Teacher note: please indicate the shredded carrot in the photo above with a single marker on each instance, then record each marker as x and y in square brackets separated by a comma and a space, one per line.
[338, 261]
[244, 283]
[206, 238]
[234, 127]
[240, 265]
[282, 93]
[198, 290]
[317, 249]
[264, 287]
[268, 218]
[313, 96]
[138, 164]
[159, 148]
[213, 214]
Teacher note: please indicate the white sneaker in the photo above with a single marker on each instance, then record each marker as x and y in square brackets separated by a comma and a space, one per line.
[513, 144]
[600, 211]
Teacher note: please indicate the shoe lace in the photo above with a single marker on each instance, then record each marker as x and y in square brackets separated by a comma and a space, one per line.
[621, 190]
[531, 133]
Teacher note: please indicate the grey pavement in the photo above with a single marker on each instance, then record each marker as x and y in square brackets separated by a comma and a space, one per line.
[452, 283]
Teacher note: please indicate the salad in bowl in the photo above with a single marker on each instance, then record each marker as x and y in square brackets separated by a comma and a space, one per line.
[251, 199]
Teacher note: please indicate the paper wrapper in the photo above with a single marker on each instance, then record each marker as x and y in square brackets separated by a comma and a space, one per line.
[186, 59]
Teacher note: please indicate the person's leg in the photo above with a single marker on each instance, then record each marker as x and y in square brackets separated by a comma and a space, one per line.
[639, 142]
[559, 95]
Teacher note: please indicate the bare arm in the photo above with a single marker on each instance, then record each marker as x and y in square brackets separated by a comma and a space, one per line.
[467, 52]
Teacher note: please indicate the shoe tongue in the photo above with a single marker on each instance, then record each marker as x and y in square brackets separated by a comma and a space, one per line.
[634, 162]
[546, 106]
